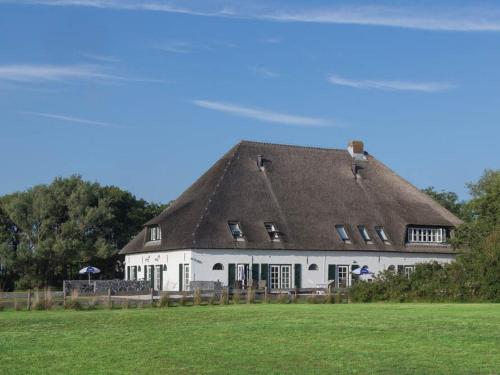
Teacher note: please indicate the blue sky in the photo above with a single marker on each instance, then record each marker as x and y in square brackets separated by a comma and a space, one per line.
[146, 95]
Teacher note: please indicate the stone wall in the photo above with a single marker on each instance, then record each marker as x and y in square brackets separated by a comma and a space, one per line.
[101, 286]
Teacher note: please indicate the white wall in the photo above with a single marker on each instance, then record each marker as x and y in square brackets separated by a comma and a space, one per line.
[202, 261]
[171, 258]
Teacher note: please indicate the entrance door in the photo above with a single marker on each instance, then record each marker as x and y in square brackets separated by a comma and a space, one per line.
[343, 276]
[187, 275]
[280, 276]
[242, 275]
[158, 272]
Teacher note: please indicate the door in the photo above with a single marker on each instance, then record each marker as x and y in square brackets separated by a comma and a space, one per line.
[242, 274]
[158, 272]
[280, 276]
[343, 276]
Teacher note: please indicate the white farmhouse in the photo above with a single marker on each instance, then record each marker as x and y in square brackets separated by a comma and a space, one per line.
[288, 216]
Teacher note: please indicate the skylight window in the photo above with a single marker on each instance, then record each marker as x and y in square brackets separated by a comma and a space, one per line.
[272, 231]
[235, 228]
[343, 233]
[381, 233]
[154, 233]
[364, 233]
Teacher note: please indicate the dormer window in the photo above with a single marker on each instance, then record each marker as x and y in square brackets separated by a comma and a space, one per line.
[154, 233]
[235, 228]
[382, 235]
[342, 233]
[427, 235]
[272, 231]
[364, 233]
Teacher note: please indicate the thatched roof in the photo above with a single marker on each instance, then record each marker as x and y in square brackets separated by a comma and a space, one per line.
[305, 191]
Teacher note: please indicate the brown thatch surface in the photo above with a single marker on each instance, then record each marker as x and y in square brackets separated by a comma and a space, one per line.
[305, 191]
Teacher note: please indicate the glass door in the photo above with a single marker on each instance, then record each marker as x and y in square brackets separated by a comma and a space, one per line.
[275, 277]
[186, 277]
[343, 276]
[285, 277]
[157, 285]
[280, 276]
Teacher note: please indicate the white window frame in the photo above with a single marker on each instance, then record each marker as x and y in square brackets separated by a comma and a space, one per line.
[155, 233]
[280, 276]
[186, 275]
[426, 235]
[157, 280]
[342, 268]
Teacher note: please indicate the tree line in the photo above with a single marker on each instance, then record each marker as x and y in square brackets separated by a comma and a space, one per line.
[474, 276]
[49, 232]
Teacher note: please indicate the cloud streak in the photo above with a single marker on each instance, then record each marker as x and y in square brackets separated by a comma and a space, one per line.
[51, 73]
[440, 18]
[391, 85]
[263, 115]
[72, 119]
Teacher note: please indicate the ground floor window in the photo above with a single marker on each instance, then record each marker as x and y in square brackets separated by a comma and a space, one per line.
[187, 276]
[133, 276]
[280, 276]
[408, 270]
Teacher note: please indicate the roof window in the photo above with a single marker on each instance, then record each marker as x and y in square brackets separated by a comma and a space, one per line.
[235, 228]
[272, 231]
[381, 233]
[364, 233]
[343, 233]
[154, 233]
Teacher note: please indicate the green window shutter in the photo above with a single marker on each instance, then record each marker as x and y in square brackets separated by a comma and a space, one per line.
[145, 273]
[255, 272]
[180, 277]
[128, 272]
[231, 274]
[152, 276]
[401, 269]
[331, 271]
[264, 269]
[298, 275]
[354, 267]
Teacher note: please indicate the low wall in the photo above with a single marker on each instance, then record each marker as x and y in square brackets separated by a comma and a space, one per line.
[102, 286]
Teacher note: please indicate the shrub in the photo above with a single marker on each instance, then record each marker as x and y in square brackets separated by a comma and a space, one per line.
[250, 296]
[39, 301]
[312, 298]
[197, 297]
[48, 299]
[17, 306]
[92, 304]
[74, 302]
[164, 299]
[329, 297]
[283, 298]
[183, 300]
[224, 297]
[236, 296]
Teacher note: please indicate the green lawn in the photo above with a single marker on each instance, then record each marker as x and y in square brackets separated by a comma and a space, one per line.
[255, 339]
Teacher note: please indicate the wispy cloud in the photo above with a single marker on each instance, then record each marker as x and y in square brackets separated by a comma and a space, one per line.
[263, 115]
[47, 73]
[264, 72]
[271, 40]
[100, 58]
[72, 119]
[391, 85]
[438, 17]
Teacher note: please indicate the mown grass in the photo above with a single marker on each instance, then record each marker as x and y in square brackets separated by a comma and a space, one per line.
[255, 339]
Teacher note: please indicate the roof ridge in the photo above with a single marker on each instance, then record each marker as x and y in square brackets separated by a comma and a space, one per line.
[210, 198]
[290, 145]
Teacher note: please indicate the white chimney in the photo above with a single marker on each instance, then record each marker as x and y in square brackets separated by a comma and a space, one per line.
[356, 149]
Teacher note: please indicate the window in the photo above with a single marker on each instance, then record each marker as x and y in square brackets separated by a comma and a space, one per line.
[273, 232]
[392, 268]
[154, 233]
[429, 235]
[408, 270]
[342, 233]
[381, 233]
[134, 273]
[236, 231]
[185, 284]
[313, 267]
[364, 233]
[281, 276]
[218, 267]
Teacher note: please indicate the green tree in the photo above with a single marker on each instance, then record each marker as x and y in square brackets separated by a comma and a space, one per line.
[50, 231]
[447, 199]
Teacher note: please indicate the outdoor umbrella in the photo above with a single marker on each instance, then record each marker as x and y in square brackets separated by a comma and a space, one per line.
[89, 270]
[362, 271]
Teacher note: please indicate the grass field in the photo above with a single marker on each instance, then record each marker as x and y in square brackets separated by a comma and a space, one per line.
[255, 339]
